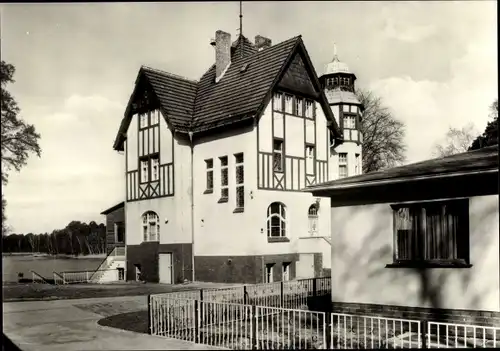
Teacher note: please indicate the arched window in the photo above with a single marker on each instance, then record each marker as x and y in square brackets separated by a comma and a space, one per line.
[276, 220]
[313, 219]
[151, 226]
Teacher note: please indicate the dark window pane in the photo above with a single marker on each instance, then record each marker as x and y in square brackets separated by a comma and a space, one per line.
[225, 192]
[223, 161]
[239, 175]
[210, 180]
[224, 177]
[240, 196]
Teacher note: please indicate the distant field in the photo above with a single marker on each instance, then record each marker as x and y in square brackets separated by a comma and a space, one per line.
[45, 265]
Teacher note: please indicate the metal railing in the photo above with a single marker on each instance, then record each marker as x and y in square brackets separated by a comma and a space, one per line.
[446, 335]
[58, 279]
[72, 277]
[261, 317]
[369, 332]
[37, 278]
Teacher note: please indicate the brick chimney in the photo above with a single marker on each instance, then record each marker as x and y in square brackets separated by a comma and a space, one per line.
[222, 44]
[262, 43]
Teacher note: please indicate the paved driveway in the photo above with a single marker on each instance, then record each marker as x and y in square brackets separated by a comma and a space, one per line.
[61, 325]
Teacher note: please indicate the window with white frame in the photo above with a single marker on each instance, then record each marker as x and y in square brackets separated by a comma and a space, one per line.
[432, 232]
[288, 103]
[285, 274]
[342, 165]
[312, 215]
[155, 117]
[155, 168]
[276, 220]
[309, 109]
[240, 179]
[209, 164]
[224, 178]
[278, 155]
[358, 164]
[269, 273]
[144, 171]
[299, 106]
[349, 121]
[150, 226]
[278, 101]
[143, 120]
[310, 156]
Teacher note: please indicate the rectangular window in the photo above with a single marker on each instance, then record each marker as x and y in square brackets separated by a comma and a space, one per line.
[432, 232]
[209, 164]
[309, 109]
[119, 232]
[224, 181]
[155, 168]
[286, 272]
[288, 103]
[342, 165]
[154, 117]
[143, 120]
[299, 106]
[144, 171]
[278, 155]
[269, 273]
[240, 179]
[310, 159]
[336, 80]
[349, 122]
[278, 101]
[358, 164]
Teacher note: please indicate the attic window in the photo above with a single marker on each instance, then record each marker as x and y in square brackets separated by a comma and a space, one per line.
[244, 67]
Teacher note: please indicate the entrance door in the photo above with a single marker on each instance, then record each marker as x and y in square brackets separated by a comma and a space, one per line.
[165, 268]
[305, 266]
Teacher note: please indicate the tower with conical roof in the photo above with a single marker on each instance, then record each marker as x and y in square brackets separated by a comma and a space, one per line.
[338, 84]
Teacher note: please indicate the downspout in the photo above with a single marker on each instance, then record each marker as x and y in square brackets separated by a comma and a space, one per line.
[192, 204]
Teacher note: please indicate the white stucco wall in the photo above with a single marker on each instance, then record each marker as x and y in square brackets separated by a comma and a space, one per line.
[362, 244]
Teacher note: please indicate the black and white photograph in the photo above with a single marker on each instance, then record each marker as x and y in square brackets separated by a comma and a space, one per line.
[250, 175]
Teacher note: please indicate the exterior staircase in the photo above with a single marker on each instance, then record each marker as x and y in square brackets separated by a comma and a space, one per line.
[109, 270]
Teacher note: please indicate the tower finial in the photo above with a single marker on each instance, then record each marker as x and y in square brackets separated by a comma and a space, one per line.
[335, 57]
[241, 28]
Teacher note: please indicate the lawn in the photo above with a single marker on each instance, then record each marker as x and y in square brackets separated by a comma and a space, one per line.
[34, 292]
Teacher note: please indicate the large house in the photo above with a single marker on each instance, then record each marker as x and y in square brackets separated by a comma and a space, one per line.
[214, 168]
[419, 241]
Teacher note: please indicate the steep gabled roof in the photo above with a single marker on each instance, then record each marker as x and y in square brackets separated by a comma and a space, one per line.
[175, 94]
[241, 93]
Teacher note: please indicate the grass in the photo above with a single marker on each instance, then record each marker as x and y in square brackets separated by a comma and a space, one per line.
[132, 321]
[35, 292]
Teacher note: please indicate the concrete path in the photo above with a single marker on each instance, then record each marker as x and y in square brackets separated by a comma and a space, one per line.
[61, 325]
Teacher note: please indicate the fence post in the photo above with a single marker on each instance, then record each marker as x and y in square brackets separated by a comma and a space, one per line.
[314, 286]
[87, 276]
[253, 320]
[196, 321]
[150, 317]
[245, 297]
[281, 298]
[424, 332]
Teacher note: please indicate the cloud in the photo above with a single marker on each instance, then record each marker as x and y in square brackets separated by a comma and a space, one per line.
[429, 107]
[78, 174]
[405, 32]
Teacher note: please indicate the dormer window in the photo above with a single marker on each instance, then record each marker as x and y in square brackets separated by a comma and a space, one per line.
[349, 122]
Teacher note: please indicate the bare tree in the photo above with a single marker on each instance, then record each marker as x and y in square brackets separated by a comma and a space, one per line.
[490, 134]
[455, 141]
[383, 135]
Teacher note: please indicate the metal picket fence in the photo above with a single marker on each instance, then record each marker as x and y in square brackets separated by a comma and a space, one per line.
[275, 316]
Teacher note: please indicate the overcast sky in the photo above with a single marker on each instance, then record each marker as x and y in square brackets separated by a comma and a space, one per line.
[434, 64]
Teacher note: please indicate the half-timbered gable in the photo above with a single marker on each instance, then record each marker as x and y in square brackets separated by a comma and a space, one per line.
[296, 132]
